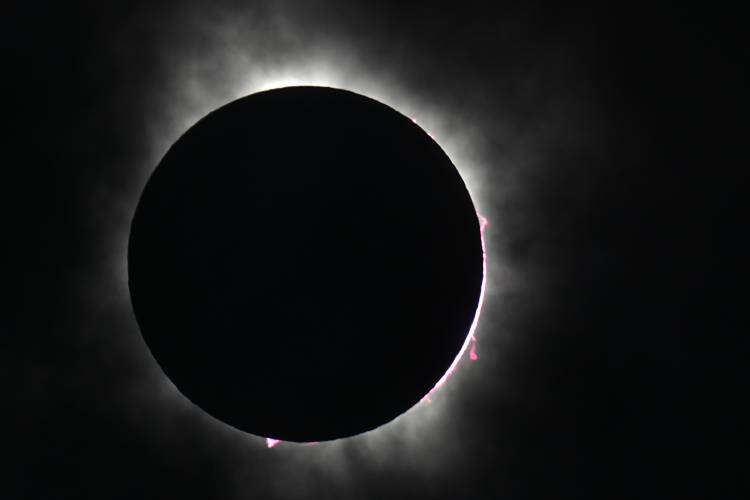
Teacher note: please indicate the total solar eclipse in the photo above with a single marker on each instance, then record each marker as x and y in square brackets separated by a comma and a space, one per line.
[305, 263]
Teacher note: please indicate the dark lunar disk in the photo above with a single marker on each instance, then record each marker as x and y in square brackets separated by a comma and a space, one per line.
[305, 263]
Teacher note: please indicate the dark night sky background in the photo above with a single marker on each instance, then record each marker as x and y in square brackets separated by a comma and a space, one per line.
[597, 142]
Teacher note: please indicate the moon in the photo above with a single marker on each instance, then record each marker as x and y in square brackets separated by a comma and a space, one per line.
[305, 263]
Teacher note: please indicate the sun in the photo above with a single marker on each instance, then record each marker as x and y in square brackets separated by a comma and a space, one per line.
[188, 95]
[417, 285]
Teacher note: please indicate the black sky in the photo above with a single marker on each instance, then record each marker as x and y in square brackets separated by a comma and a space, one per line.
[598, 144]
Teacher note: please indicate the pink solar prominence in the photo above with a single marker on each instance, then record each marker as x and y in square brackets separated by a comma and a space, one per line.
[470, 338]
[271, 442]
